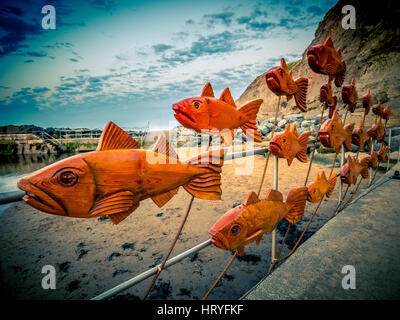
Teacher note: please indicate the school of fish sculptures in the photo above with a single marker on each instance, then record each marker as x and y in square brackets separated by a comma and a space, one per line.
[289, 146]
[324, 59]
[248, 222]
[372, 158]
[114, 179]
[352, 169]
[367, 101]
[360, 137]
[332, 134]
[210, 115]
[326, 96]
[321, 187]
[281, 83]
[377, 131]
[350, 96]
[383, 153]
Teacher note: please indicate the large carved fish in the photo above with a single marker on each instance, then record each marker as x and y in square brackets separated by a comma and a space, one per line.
[350, 96]
[326, 96]
[383, 153]
[114, 179]
[280, 82]
[332, 134]
[377, 131]
[321, 187]
[352, 169]
[360, 137]
[289, 146]
[324, 59]
[378, 109]
[372, 158]
[248, 222]
[208, 114]
[367, 101]
[386, 113]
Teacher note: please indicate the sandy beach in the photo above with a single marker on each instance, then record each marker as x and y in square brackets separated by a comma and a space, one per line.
[93, 255]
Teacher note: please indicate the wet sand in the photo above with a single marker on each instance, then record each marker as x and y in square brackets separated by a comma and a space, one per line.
[93, 255]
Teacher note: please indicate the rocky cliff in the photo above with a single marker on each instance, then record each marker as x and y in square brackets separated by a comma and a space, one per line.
[371, 53]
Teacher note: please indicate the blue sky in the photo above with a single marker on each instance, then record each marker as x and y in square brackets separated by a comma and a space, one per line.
[129, 61]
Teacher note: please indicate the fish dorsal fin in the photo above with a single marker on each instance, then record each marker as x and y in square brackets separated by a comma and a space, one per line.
[227, 97]
[294, 130]
[251, 198]
[328, 42]
[163, 147]
[207, 91]
[349, 161]
[352, 82]
[113, 137]
[335, 116]
[339, 52]
[317, 177]
[283, 64]
[323, 176]
[368, 91]
[287, 128]
[273, 195]
[361, 124]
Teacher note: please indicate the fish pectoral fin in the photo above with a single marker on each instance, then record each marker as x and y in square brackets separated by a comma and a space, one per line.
[240, 251]
[117, 206]
[254, 237]
[113, 137]
[161, 199]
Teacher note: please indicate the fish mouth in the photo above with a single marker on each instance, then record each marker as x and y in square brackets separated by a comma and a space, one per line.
[345, 179]
[273, 82]
[39, 199]
[312, 54]
[218, 240]
[180, 114]
[275, 148]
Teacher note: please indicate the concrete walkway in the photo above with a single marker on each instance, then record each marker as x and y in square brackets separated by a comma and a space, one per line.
[365, 235]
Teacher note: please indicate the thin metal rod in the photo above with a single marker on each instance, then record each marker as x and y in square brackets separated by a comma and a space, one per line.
[341, 183]
[390, 139]
[220, 276]
[12, 196]
[147, 274]
[273, 263]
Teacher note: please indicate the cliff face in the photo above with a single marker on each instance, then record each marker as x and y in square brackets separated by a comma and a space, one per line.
[371, 53]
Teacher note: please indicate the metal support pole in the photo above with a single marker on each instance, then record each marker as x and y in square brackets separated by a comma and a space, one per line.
[275, 186]
[341, 183]
[390, 139]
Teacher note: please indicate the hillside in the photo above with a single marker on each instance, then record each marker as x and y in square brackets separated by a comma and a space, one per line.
[371, 53]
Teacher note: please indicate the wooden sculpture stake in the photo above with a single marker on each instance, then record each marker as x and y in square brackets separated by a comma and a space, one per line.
[388, 160]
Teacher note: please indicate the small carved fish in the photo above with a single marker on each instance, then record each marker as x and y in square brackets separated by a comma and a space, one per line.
[114, 179]
[287, 145]
[383, 153]
[326, 96]
[208, 113]
[321, 186]
[378, 109]
[352, 169]
[281, 82]
[324, 59]
[386, 113]
[350, 96]
[248, 222]
[372, 158]
[332, 134]
[367, 101]
[377, 131]
[360, 137]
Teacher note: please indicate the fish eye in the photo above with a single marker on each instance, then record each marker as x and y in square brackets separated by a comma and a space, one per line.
[196, 104]
[281, 72]
[284, 140]
[68, 178]
[235, 229]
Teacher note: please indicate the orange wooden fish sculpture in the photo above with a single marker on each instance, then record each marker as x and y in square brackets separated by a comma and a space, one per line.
[386, 113]
[360, 137]
[352, 169]
[321, 187]
[326, 96]
[332, 134]
[287, 145]
[350, 96]
[367, 101]
[372, 158]
[383, 153]
[248, 222]
[280, 82]
[113, 179]
[324, 59]
[377, 131]
[378, 109]
[207, 113]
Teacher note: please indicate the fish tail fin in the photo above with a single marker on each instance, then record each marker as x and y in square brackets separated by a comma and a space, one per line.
[208, 185]
[303, 140]
[365, 171]
[339, 78]
[301, 95]
[331, 185]
[349, 130]
[297, 199]
[250, 111]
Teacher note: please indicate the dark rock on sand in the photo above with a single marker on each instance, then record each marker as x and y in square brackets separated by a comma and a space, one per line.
[113, 255]
[161, 290]
[63, 267]
[253, 258]
[120, 271]
[73, 285]
[128, 245]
